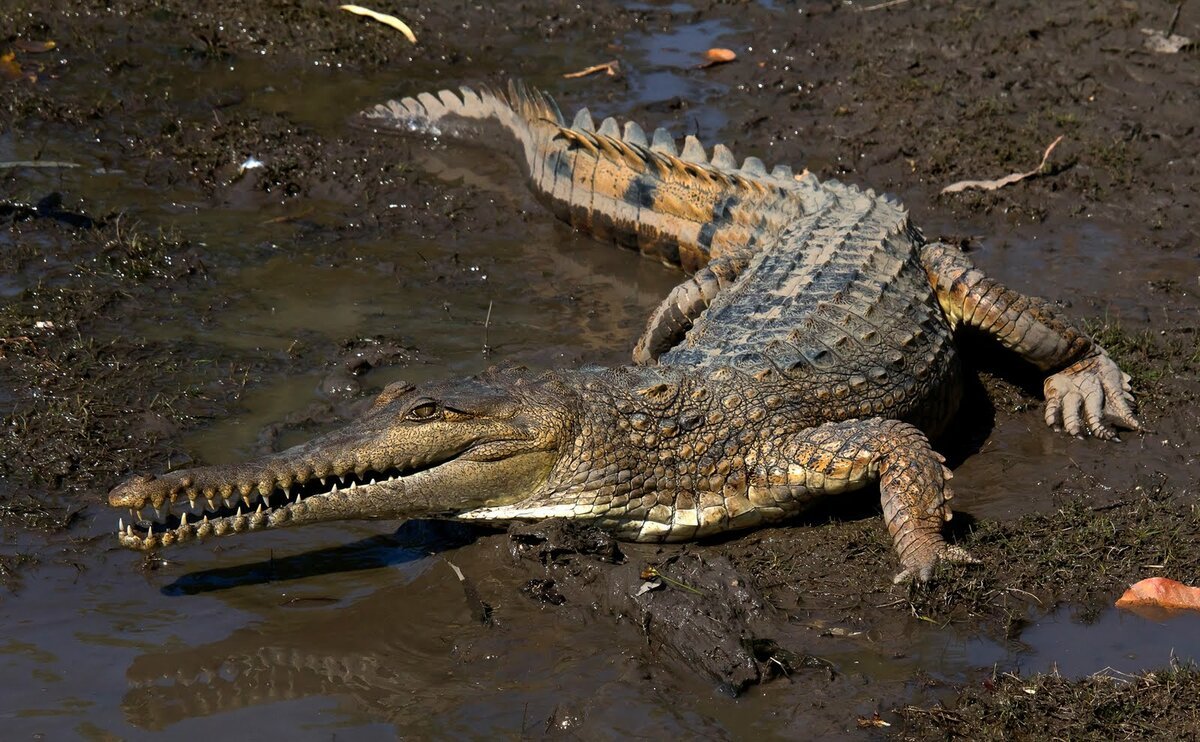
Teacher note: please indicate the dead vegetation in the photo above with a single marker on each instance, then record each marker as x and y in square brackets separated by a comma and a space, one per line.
[1157, 705]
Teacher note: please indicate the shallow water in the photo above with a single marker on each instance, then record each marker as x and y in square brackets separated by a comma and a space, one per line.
[348, 629]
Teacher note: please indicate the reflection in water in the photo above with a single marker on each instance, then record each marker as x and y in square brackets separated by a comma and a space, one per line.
[373, 652]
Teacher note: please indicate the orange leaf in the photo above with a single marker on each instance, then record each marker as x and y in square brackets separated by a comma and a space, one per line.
[1160, 592]
[717, 56]
[9, 69]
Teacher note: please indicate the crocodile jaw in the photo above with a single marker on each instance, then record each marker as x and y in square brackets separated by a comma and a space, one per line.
[440, 450]
[214, 501]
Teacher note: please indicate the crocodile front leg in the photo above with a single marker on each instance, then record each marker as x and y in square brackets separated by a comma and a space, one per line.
[912, 483]
[674, 316]
[1088, 386]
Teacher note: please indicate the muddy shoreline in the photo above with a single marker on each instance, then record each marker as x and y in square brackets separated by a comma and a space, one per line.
[162, 304]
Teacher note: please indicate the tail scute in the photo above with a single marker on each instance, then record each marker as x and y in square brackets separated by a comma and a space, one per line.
[616, 181]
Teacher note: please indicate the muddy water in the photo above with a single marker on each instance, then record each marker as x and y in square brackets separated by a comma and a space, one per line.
[355, 630]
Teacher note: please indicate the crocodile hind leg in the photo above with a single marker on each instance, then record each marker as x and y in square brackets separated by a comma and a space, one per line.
[913, 487]
[1086, 389]
[671, 320]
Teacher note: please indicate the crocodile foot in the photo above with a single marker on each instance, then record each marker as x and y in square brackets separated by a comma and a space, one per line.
[921, 569]
[1087, 392]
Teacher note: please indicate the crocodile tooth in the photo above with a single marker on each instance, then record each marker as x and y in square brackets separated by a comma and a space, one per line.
[782, 172]
[450, 101]
[634, 134]
[372, 480]
[323, 481]
[239, 511]
[129, 530]
[246, 500]
[754, 166]
[663, 142]
[120, 525]
[610, 128]
[260, 508]
[470, 97]
[723, 158]
[354, 485]
[134, 515]
[393, 108]
[335, 489]
[412, 107]
[433, 106]
[183, 520]
[212, 505]
[158, 515]
[583, 121]
[693, 150]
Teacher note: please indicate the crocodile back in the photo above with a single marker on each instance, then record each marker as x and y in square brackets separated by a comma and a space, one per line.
[839, 313]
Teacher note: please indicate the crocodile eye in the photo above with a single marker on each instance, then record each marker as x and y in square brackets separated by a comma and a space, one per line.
[424, 410]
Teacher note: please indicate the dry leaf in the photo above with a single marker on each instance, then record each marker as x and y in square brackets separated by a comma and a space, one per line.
[991, 185]
[717, 56]
[1160, 592]
[33, 47]
[609, 68]
[384, 18]
[874, 722]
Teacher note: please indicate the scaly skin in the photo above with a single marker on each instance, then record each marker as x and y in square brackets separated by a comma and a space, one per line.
[805, 356]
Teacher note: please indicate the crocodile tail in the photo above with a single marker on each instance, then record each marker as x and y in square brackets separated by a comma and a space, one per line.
[615, 182]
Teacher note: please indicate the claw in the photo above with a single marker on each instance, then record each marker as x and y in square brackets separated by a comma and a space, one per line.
[922, 572]
[1083, 395]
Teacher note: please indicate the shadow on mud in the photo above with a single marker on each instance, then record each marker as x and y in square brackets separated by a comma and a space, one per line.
[415, 539]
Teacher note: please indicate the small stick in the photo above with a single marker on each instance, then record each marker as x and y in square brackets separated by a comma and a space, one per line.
[486, 322]
[1175, 19]
[36, 163]
[881, 6]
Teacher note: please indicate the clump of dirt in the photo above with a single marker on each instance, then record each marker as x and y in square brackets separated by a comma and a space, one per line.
[692, 606]
[1156, 705]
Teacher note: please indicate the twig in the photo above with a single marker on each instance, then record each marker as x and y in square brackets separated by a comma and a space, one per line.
[36, 163]
[487, 321]
[384, 18]
[609, 68]
[881, 6]
[991, 185]
[1174, 19]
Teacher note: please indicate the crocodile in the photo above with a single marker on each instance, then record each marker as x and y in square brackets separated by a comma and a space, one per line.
[810, 350]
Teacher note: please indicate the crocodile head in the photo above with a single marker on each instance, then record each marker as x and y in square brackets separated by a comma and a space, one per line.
[436, 450]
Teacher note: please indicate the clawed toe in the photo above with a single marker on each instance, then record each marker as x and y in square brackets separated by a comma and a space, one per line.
[923, 571]
[1083, 396]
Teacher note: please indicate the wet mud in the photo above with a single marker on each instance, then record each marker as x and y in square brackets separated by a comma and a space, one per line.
[200, 261]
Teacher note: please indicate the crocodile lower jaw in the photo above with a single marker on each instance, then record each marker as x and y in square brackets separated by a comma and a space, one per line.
[194, 517]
